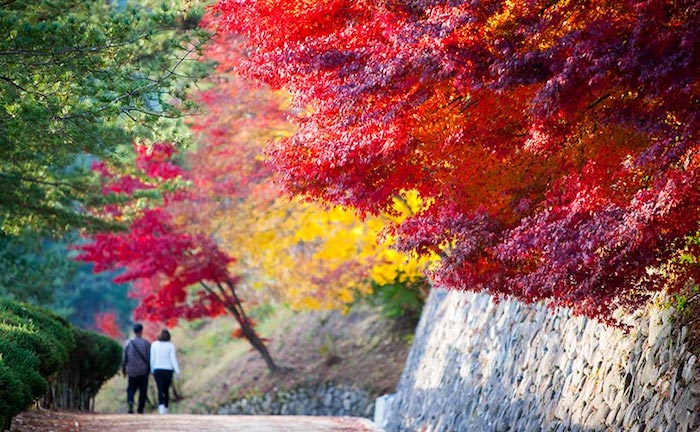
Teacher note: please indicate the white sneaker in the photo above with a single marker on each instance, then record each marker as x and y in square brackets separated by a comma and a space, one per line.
[162, 409]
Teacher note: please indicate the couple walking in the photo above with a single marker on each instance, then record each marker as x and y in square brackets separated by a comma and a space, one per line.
[140, 358]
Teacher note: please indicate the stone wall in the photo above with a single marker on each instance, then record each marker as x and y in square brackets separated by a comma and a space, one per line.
[480, 366]
[327, 399]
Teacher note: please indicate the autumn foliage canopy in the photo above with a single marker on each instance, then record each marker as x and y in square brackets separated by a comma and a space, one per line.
[304, 254]
[556, 140]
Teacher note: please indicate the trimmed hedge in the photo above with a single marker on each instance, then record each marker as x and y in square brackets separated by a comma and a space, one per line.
[20, 367]
[34, 344]
[95, 359]
[40, 352]
[37, 330]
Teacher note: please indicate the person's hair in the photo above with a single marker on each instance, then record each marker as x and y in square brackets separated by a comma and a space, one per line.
[138, 328]
[164, 336]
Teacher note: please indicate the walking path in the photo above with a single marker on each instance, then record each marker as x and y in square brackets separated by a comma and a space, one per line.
[205, 423]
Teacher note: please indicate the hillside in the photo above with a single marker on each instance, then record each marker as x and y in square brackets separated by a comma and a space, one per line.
[360, 349]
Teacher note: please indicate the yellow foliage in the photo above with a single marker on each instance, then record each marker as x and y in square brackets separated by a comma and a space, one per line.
[311, 257]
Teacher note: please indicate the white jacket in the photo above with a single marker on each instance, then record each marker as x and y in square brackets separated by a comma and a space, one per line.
[163, 356]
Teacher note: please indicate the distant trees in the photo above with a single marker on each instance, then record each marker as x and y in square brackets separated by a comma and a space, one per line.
[557, 141]
[39, 270]
[25, 260]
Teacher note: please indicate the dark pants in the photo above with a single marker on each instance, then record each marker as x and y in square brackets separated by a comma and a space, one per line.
[163, 377]
[139, 383]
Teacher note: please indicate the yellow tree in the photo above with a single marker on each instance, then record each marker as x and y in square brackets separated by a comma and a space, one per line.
[314, 257]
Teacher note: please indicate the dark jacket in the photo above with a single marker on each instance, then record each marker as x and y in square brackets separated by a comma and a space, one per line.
[136, 357]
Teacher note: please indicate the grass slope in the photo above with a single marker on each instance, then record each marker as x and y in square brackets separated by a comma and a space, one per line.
[360, 348]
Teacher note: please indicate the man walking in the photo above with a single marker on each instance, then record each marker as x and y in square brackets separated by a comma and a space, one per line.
[136, 365]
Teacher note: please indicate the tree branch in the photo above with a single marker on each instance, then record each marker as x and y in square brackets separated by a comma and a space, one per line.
[599, 100]
[74, 50]
[138, 91]
[19, 87]
[208, 289]
[44, 182]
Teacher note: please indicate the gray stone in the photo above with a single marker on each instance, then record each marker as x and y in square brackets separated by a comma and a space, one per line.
[672, 426]
[684, 407]
[689, 369]
[694, 421]
[602, 411]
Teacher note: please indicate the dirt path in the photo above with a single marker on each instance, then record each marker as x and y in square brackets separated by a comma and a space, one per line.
[38, 421]
[209, 423]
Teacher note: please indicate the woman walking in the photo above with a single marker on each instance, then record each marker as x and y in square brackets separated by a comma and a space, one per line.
[163, 365]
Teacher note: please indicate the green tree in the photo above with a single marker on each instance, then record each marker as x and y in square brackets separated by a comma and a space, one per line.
[77, 80]
[34, 268]
[87, 293]
[39, 270]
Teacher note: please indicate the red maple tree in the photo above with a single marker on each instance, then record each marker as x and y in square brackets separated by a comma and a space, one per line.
[226, 164]
[176, 271]
[106, 323]
[556, 140]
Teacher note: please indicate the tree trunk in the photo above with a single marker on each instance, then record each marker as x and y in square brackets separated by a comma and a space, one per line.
[252, 336]
[229, 297]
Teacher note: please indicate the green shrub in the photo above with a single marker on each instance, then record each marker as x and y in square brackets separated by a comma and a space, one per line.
[51, 354]
[94, 360]
[22, 367]
[99, 357]
[36, 344]
[58, 327]
[400, 299]
[13, 394]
